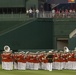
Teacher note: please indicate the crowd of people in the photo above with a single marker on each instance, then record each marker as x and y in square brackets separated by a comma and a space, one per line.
[71, 13]
[33, 13]
[38, 60]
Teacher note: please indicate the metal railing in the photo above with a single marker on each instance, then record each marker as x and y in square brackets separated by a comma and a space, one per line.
[47, 14]
[57, 15]
[14, 17]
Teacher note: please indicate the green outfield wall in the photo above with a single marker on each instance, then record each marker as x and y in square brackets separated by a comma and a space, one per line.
[35, 35]
[38, 34]
[72, 43]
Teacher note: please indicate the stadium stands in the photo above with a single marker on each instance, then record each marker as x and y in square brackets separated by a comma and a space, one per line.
[60, 26]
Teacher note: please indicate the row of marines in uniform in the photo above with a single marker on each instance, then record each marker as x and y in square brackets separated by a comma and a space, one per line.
[39, 60]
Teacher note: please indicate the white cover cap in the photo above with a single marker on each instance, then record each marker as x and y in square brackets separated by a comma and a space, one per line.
[8, 48]
[50, 51]
[66, 49]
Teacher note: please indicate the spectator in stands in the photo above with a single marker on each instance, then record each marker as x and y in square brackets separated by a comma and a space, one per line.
[57, 13]
[30, 13]
[66, 12]
[37, 13]
[34, 12]
[70, 12]
[63, 13]
[74, 13]
[27, 12]
[53, 13]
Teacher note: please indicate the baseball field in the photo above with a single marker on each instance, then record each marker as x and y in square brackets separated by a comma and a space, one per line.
[38, 72]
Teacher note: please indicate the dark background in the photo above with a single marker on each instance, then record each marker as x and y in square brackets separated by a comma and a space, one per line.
[57, 1]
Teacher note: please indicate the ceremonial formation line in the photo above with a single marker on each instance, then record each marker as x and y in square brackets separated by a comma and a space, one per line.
[38, 60]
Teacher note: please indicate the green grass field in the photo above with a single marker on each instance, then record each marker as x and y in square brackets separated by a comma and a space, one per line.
[39, 72]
